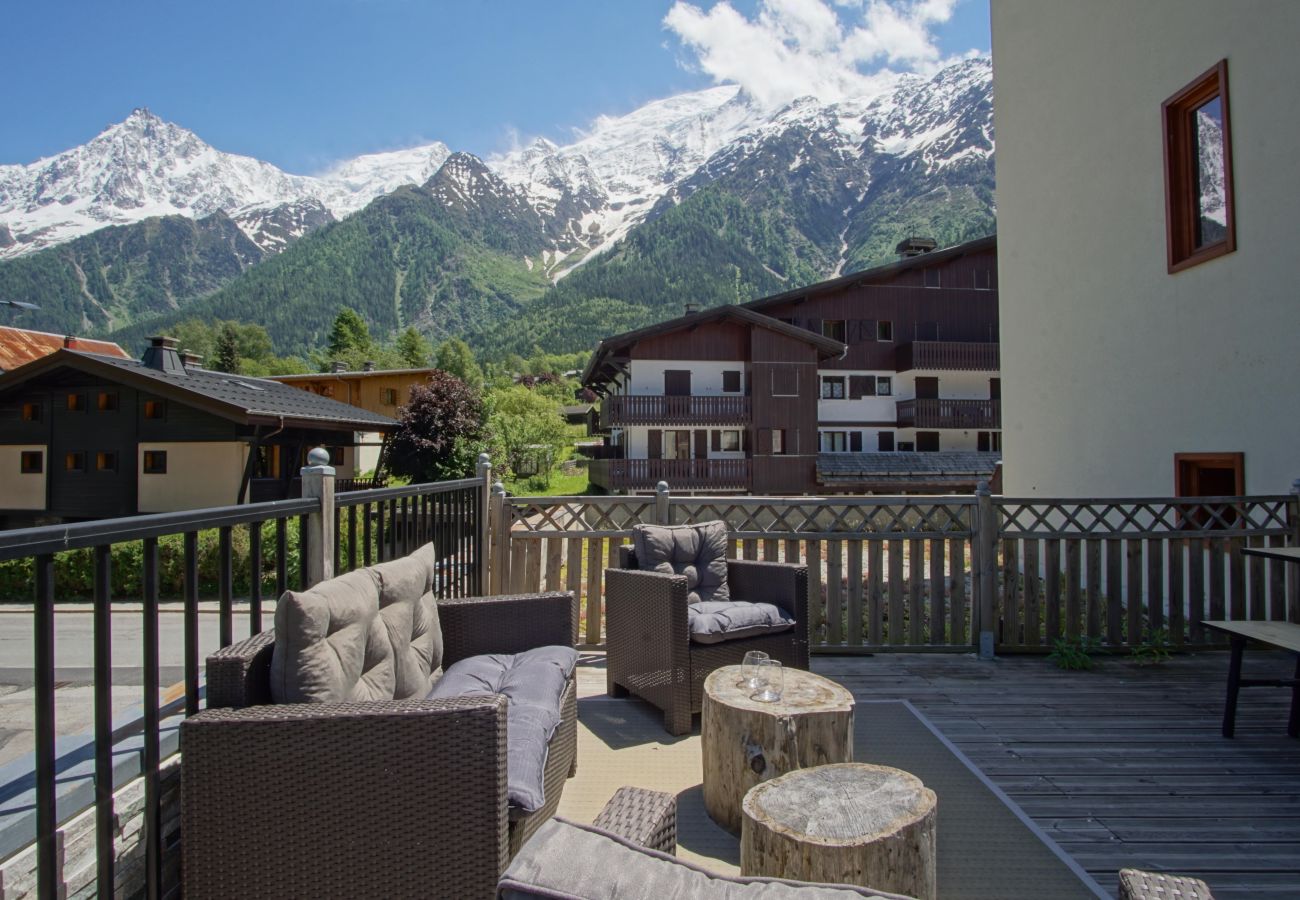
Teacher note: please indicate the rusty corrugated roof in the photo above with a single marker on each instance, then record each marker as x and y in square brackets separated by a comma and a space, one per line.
[18, 346]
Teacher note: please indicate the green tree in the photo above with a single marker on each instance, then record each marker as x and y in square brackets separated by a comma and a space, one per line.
[522, 422]
[226, 355]
[455, 356]
[349, 334]
[414, 350]
[440, 431]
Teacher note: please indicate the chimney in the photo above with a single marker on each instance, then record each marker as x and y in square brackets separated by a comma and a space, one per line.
[191, 360]
[691, 307]
[914, 246]
[70, 342]
[162, 356]
[368, 366]
[338, 366]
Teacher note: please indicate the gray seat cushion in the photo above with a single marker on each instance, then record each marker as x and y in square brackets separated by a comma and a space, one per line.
[715, 621]
[534, 683]
[698, 552]
[371, 634]
[567, 861]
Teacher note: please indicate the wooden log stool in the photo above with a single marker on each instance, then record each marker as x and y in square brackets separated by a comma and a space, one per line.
[745, 741]
[848, 824]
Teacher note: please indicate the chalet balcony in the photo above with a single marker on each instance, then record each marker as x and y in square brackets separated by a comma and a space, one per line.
[958, 356]
[653, 409]
[950, 414]
[681, 474]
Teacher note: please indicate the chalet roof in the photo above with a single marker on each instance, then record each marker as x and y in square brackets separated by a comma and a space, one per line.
[600, 368]
[238, 398]
[19, 346]
[947, 468]
[867, 276]
[356, 373]
[576, 409]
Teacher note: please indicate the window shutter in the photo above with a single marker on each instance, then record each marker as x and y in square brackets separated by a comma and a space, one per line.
[858, 387]
[717, 441]
[744, 439]
[701, 444]
[765, 441]
[855, 441]
[655, 449]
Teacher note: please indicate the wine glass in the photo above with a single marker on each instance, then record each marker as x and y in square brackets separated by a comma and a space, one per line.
[750, 674]
[772, 681]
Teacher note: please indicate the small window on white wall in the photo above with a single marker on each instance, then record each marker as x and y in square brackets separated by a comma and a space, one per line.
[730, 441]
[835, 441]
[884, 386]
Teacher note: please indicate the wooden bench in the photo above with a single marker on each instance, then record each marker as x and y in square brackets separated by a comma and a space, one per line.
[1281, 635]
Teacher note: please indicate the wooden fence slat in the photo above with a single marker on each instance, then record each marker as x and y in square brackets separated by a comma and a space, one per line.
[1177, 599]
[916, 592]
[812, 557]
[573, 578]
[1258, 602]
[1155, 584]
[1237, 579]
[518, 564]
[770, 550]
[611, 561]
[1277, 583]
[875, 600]
[751, 548]
[1133, 573]
[1072, 583]
[1052, 588]
[1092, 574]
[1218, 585]
[554, 561]
[594, 594]
[937, 584]
[1114, 592]
[854, 573]
[1196, 588]
[834, 581]
[535, 553]
[1033, 595]
[897, 635]
[731, 548]
[1009, 597]
[791, 551]
[957, 591]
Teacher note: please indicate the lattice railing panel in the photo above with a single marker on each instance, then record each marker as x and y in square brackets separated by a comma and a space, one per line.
[798, 519]
[563, 517]
[1209, 516]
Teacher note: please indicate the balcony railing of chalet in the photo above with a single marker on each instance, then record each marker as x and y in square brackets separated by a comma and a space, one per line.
[950, 413]
[687, 474]
[248, 550]
[970, 356]
[653, 409]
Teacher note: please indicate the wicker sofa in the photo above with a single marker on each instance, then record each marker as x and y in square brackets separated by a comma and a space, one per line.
[364, 795]
[651, 650]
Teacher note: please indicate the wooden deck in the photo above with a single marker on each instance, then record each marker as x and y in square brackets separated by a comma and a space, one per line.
[1123, 765]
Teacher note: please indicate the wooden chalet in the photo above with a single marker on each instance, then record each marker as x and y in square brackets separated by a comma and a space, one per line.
[834, 387]
[19, 346]
[87, 436]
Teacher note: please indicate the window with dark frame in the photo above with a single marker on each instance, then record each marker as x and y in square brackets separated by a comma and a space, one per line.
[835, 441]
[74, 461]
[983, 279]
[1199, 219]
[76, 402]
[885, 441]
[778, 441]
[884, 330]
[106, 402]
[155, 462]
[933, 278]
[155, 409]
[927, 442]
[833, 329]
[1209, 475]
[884, 385]
[907, 446]
[730, 441]
[31, 412]
[731, 381]
[390, 396]
[832, 387]
[106, 461]
[31, 462]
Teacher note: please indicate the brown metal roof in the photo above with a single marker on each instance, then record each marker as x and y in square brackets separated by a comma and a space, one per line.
[18, 346]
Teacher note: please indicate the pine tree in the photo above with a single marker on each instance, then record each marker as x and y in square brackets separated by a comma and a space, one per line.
[413, 348]
[226, 356]
[456, 358]
[349, 334]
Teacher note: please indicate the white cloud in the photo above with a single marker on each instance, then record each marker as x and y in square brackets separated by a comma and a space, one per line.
[795, 48]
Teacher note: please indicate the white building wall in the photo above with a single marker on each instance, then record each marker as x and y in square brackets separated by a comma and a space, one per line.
[21, 491]
[198, 475]
[1110, 364]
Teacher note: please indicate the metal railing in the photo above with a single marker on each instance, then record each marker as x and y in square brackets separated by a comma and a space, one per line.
[949, 413]
[654, 409]
[363, 526]
[687, 474]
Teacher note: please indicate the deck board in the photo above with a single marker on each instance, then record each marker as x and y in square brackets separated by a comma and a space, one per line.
[1122, 765]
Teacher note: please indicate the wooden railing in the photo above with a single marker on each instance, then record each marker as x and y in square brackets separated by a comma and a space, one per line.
[687, 474]
[653, 409]
[971, 356]
[946, 572]
[949, 413]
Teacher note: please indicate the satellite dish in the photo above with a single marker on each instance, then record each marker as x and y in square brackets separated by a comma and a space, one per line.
[18, 304]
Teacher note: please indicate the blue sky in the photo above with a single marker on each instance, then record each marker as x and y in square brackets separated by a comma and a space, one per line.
[304, 83]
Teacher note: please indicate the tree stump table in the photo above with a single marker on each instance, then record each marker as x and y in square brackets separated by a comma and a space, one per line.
[745, 741]
[849, 824]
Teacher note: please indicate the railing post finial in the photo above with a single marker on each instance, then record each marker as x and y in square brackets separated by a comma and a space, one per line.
[661, 503]
[318, 481]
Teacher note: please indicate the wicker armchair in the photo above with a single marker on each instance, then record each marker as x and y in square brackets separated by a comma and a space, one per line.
[648, 647]
[397, 798]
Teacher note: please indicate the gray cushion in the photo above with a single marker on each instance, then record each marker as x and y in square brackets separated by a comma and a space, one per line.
[372, 634]
[715, 621]
[534, 683]
[699, 552]
[566, 861]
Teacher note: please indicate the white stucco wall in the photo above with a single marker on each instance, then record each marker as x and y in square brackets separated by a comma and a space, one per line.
[198, 475]
[19, 491]
[647, 375]
[1111, 365]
